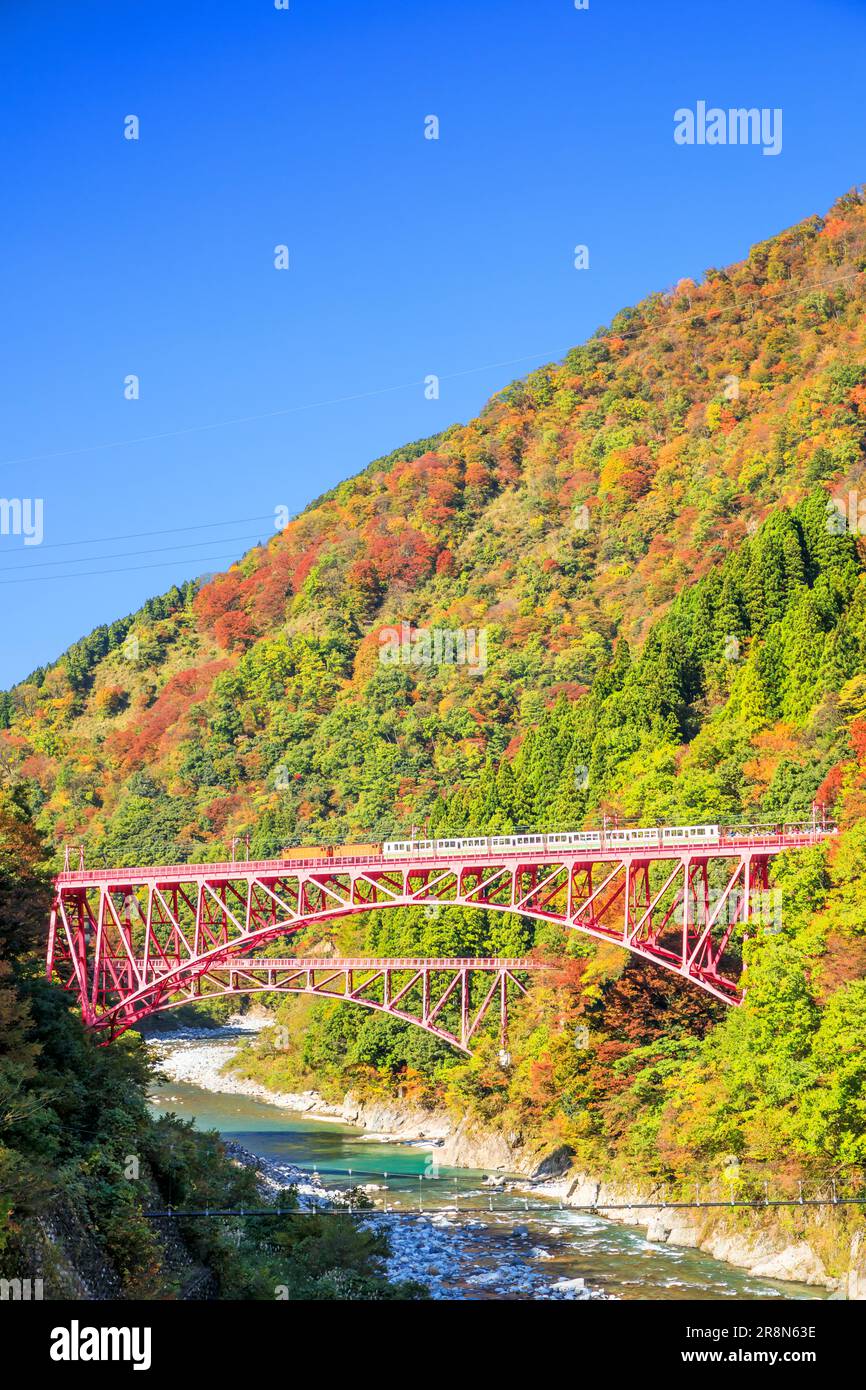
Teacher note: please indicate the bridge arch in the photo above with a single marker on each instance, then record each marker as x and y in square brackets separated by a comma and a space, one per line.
[414, 990]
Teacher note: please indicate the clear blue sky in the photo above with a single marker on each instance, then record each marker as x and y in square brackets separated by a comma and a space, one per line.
[408, 256]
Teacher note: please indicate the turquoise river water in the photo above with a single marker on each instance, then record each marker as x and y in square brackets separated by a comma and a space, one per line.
[450, 1227]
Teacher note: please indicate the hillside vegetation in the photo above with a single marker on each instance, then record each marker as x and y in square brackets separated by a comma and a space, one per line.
[82, 1159]
[659, 539]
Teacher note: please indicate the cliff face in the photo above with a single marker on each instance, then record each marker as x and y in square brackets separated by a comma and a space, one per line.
[824, 1247]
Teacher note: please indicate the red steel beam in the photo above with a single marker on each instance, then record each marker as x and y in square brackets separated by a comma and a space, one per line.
[134, 941]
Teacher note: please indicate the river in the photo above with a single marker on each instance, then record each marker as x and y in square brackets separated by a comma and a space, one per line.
[450, 1228]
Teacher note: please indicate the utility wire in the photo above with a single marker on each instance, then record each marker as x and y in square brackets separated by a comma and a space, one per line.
[272, 414]
[120, 555]
[122, 569]
[556, 356]
[169, 531]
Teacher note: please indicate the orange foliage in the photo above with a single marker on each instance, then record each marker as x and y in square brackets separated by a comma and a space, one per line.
[160, 726]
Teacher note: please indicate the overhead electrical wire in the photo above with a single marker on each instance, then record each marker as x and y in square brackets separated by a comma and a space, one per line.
[121, 555]
[269, 414]
[120, 569]
[168, 531]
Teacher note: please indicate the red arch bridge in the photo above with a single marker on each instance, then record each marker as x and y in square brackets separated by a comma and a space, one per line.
[131, 942]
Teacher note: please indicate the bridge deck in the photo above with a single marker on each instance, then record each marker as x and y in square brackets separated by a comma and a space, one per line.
[379, 963]
[725, 845]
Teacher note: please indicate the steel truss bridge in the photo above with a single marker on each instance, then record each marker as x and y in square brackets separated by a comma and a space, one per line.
[134, 941]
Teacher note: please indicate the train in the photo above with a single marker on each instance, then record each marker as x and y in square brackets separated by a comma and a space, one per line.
[556, 843]
[560, 842]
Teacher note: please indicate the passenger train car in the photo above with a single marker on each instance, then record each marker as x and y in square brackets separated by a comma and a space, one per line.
[556, 843]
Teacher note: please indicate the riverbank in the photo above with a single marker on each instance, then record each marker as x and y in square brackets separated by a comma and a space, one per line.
[450, 1258]
[821, 1247]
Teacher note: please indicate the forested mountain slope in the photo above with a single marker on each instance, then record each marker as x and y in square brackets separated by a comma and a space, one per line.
[560, 524]
[648, 539]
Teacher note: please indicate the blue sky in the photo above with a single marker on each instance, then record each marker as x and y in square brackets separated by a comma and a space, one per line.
[261, 388]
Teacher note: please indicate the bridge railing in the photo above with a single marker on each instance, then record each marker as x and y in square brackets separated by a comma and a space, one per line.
[379, 963]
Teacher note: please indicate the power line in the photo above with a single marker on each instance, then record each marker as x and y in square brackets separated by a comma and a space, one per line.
[122, 569]
[169, 531]
[799, 286]
[547, 1209]
[271, 414]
